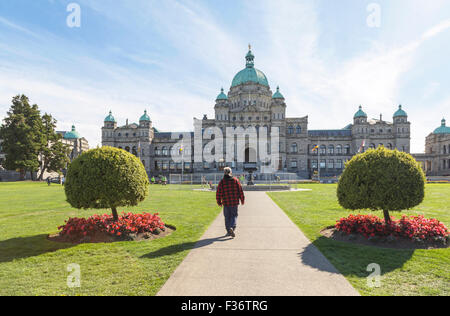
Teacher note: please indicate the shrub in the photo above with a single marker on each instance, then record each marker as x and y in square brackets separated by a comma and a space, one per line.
[413, 227]
[106, 178]
[381, 179]
[127, 224]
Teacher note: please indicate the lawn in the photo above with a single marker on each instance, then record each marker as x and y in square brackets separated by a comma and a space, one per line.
[32, 265]
[404, 272]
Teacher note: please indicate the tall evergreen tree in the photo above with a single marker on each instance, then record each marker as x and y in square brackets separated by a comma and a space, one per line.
[22, 136]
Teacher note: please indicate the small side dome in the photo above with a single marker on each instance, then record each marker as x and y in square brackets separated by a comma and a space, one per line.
[400, 112]
[110, 118]
[443, 129]
[145, 117]
[72, 134]
[278, 95]
[222, 96]
[360, 113]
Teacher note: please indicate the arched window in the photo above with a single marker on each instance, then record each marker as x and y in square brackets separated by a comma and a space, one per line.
[323, 150]
[339, 149]
[157, 151]
[372, 146]
[294, 148]
[445, 150]
[389, 146]
[347, 149]
[299, 129]
[164, 151]
[127, 149]
[290, 130]
[134, 151]
[331, 150]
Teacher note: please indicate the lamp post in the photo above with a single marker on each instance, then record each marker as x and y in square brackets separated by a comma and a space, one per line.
[318, 151]
[182, 163]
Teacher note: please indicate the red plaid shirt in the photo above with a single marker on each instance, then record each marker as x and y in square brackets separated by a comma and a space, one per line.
[229, 192]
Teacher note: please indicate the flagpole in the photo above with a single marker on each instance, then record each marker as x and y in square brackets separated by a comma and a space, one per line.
[182, 164]
[318, 151]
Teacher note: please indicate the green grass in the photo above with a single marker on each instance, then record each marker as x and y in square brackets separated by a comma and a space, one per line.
[32, 265]
[404, 272]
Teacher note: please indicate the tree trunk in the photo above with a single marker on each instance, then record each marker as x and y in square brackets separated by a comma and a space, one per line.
[115, 215]
[387, 218]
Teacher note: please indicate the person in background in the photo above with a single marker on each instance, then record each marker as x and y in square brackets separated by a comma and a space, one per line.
[229, 193]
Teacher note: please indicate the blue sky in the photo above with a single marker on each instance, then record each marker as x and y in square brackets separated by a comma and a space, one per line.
[172, 57]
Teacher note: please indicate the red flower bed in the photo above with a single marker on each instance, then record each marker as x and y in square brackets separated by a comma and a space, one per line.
[76, 228]
[413, 227]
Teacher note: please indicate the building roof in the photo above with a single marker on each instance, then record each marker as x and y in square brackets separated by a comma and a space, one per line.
[360, 113]
[443, 129]
[73, 134]
[278, 95]
[250, 73]
[222, 96]
[110, 118]
[400, 112]
[145, 117]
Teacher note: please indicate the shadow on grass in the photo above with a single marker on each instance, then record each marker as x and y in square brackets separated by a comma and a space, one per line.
[353, 259]
[26, 247]
[173, 249]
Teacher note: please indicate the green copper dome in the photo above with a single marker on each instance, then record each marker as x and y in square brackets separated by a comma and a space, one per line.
[278, 95]
[110, 118]
[250, 73]
[222, 96]
[72, 134]
[400, 112]
[145, 117]
[443, 129]
[360, 113]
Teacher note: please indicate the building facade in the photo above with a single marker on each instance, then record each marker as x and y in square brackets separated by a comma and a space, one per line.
[250, 103]
[75, 142]
[436, 160]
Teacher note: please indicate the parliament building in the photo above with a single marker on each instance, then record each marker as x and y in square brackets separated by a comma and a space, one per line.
[250, 102]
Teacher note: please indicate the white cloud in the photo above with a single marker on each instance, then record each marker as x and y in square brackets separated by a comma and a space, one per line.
[441, 27]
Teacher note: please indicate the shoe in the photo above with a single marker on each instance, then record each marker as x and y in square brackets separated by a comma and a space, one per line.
[232, 234]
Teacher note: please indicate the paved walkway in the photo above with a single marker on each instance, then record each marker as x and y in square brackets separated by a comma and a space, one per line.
[270, 256]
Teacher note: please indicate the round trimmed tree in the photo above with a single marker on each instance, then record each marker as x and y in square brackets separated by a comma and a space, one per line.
[106, 177]
[381, 179]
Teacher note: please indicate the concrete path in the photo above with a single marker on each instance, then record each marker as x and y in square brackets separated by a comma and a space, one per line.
[270, 256]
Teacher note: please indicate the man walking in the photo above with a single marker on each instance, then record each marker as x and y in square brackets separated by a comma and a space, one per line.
[229, 193]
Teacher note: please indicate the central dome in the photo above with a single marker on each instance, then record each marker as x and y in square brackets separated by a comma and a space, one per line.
[250, 73]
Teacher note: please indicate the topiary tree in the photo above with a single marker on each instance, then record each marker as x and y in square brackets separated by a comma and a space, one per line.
[381, 179]
[106, 177]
